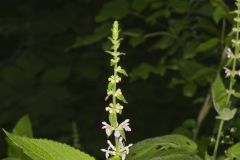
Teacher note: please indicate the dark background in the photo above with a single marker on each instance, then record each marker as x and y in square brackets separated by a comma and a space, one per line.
[53, 66]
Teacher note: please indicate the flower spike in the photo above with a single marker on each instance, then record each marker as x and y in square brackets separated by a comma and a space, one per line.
[115, 107]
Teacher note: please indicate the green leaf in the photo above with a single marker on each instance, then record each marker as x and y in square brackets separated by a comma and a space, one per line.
[115, 158]
[169, 147]
[141, 72]
[122, 98]
[153, 18]
[221, 10]
[22, 128]
[99, 33]
[115, 9]
[234, 152]
[189, 89]
[236, 94]
[219, 94]
[140, 5]
[136, 41]
[163, 43]
[43, 149]
[208, 157]
[112, 119]
[110, 86]
[218, 14]
[55, 75]
[227, 114]
[178, 6]
[209, 44]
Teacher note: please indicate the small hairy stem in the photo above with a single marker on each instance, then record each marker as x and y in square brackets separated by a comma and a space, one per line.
[114, 99]
[218, 139]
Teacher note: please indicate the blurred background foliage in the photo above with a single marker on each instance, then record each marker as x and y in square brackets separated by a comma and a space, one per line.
[53, 67]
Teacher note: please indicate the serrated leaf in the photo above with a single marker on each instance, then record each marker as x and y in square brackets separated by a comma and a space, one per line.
[169, 147]
[43, 149]
[219, 94]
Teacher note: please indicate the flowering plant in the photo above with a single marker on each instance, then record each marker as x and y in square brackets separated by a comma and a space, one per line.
[169, 147]
[115, 108]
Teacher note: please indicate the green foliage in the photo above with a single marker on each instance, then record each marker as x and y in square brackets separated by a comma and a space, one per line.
[234, 152]
[177, 40]
[43, 149]
[219, 94]
[206, 46]
[109, 10]
[22, 128]
[169, 147]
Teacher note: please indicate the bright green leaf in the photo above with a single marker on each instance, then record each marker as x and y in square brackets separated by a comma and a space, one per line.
[169, 147]
[112, 119]
[43, 149]
[121, 98]
[22, 128]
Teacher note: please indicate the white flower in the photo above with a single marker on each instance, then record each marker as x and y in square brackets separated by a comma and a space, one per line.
[238, 72]
[229, 53]
[124, 150]
[118, 93]
[114, 109]
[108, 129]
[120, 151]
[227, 72]
[114, 79]
[111, 150]
[124, 126]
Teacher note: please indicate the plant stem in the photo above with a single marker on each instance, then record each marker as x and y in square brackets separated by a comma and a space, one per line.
[114, 97]
[218, 139]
